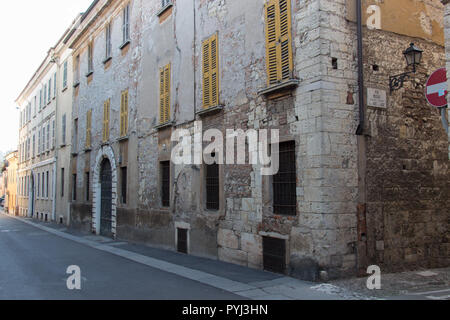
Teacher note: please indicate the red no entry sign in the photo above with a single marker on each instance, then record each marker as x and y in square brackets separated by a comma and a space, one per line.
[436, 88]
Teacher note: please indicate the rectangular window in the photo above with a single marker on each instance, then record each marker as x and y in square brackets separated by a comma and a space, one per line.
[54, 85]
[45, 95]
[210, 75]
[165, 3]
[65, 75]
[106, 111]
[182, 240]
[165, 183]
[47, 185]
[212, 186]
[274, 254]
[43, 185]
[87, 186]
[285, 181]
[64, 129]
[53, 133]
[124, 114]
[35, 106]
[48, 136]
[39, 141]
[108, 41]
[123, 187]
[279, 62]
[62, 182]
[74, 187]
[126, 24]
[88, 128]
[90, 58]
[75, 136]
[43, 140]
[49, 90]
[164, 94]
[77, 69]
[40, 100]
[34, 145]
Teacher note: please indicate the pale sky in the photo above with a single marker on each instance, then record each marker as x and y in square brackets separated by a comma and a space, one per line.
[29, 29]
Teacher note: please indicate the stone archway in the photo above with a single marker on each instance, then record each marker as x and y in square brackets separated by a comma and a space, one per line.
[105, 153]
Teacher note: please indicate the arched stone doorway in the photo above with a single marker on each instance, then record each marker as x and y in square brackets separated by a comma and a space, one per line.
[106, 199]
[105, 194]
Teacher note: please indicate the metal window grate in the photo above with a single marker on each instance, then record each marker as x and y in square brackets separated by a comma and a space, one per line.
[165, 183]
[274, 254]
[182, 241]
[212, 187]
[285, 181]
[124, 185]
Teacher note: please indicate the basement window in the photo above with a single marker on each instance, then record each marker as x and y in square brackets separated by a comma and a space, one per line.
[274, 255]
[182, 242]
[334, 63]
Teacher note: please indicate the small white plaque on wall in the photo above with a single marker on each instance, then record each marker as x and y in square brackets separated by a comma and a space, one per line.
[376, 98]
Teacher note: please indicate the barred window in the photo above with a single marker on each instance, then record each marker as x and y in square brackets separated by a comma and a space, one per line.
[212, 186]
[285, 181]
[165, 183]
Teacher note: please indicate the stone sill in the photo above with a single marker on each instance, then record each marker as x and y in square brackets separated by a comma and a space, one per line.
[107, 60]
[164, 125]
[90, 73]
[76, 84]
[289, 84]
[164, 9]
[104, 144]
[62, 145]
[64, 89]
[123, 46]
[124, 138]
[209, 111]
[87, 150]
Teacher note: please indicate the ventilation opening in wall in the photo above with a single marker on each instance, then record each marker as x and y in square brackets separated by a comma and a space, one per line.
[182, 240]
[334, 63]
[46, 217]
[375, 67]
[61, 221]
[274, 255]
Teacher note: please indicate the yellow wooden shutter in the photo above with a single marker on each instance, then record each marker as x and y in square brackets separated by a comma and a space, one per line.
[278, 41]
[88, 128]
[210, 53]
[164, 94]
[106, 108]
[124, 114]
[167, 93]
[214, 81]
[206, 74]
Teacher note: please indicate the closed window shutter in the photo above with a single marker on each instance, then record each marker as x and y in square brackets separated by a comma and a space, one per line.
[164, 94]
[124, 114]
[210, 52]
[214, 71]
[88, 128]
[278, 41]
[206, 75]
[106, 107]
[167, 93]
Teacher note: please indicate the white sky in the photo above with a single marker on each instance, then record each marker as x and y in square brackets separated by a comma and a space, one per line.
[29, 29]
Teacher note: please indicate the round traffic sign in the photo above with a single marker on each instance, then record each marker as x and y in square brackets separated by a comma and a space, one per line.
[437, 89]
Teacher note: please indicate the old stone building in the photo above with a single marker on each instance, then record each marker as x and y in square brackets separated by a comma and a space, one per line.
[363, 169]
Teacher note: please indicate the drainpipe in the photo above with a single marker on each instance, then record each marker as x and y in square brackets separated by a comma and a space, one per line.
[55, 165]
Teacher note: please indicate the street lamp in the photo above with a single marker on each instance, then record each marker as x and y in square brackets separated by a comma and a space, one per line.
[413, 56]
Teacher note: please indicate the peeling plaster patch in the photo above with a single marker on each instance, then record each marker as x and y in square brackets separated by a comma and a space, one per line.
[425, 23]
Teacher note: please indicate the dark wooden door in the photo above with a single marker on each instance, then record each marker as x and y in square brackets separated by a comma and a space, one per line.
[106, 199]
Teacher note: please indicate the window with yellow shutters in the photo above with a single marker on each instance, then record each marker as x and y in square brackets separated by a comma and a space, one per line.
[124, 114]
[278, 41]
[210, 58]
[88, 129]
[106, 111]
[164, 94]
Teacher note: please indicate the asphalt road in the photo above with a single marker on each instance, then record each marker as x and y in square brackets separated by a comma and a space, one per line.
[33, 265]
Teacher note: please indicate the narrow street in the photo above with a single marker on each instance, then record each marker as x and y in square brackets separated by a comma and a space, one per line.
[33, 265]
